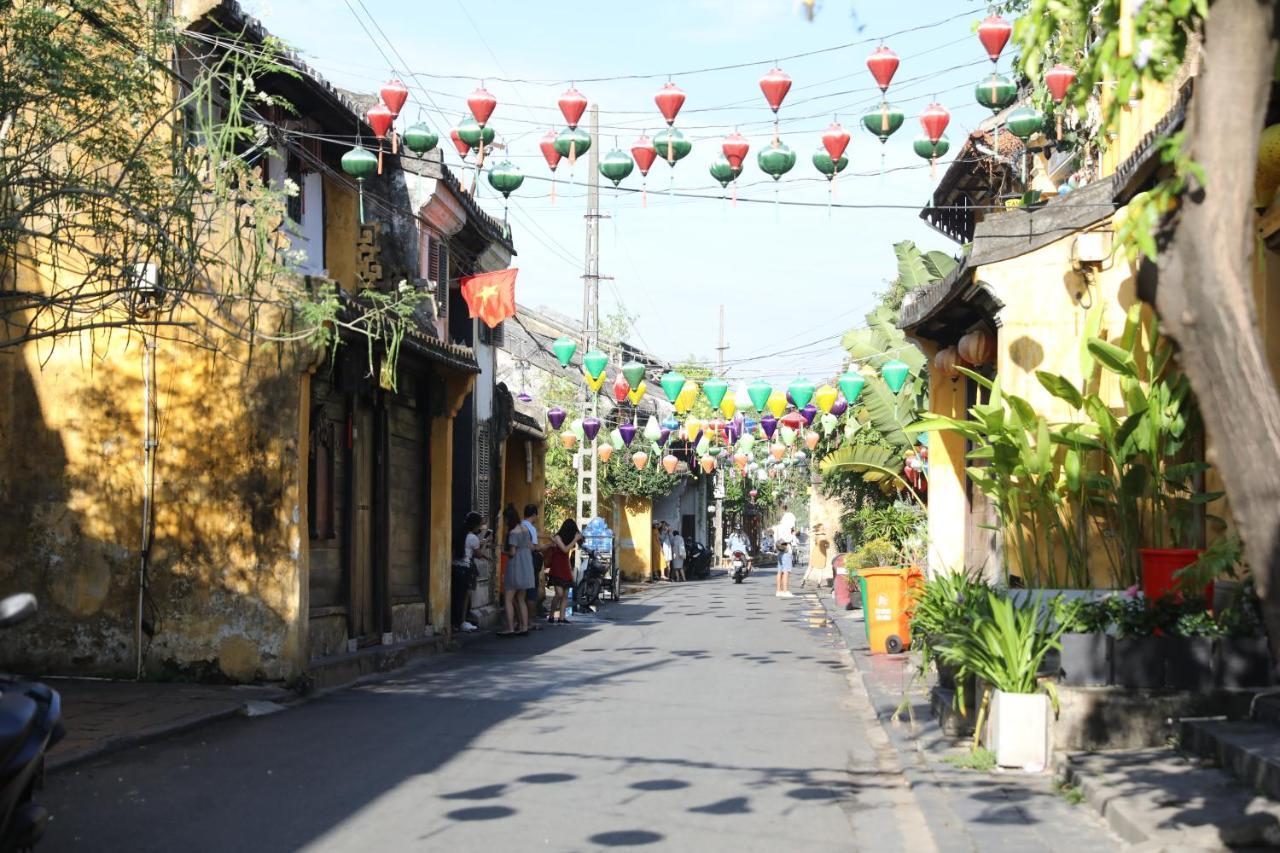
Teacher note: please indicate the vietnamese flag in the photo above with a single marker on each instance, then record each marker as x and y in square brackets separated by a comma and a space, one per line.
[491, 296]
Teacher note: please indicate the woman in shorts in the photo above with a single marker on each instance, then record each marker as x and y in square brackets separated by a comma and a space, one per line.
[560, 568]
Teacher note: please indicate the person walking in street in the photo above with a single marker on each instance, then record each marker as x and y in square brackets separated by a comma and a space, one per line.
[677, 556]
[786, 559]
[519, 574]
[560, 568]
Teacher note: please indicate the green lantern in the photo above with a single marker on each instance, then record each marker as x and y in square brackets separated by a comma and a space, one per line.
[595, 362]
[776, 160]
[564, 348]
[616, 165]
[722, 172]
[895, 373]
[1024, 121]
[883, 121]
[506, 178]
[633, 372]
[759, 392]
[823, 163]
[930, 150]
[671, 145]
[851, 385]
[715, 388]
[572, 143]
[996, 92]
[801, 392]
[673, 384]
[360, 163]
[420, 138]
[472, 133]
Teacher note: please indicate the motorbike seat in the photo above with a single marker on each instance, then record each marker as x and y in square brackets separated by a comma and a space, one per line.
[19, 715]
[16, 608]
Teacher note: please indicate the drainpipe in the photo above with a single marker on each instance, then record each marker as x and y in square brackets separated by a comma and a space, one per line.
[149, 445]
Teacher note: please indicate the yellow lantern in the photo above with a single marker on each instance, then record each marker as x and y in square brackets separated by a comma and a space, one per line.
[639, 459]
[669, 463]
[708, 464]
[568, 439]
[594, 384]
[605, 452]
[811, 439]
[693, 426]
[728, 406]
[687, 397]
[824, 398]
[777, 451]
[741, 460]
[777, 403]
[636, 394]
[978, 347]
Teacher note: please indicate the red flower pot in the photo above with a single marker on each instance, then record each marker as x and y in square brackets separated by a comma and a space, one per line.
[843, 590]
[1159, 566]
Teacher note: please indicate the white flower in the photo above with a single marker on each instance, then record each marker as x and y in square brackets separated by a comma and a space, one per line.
[1146, 47]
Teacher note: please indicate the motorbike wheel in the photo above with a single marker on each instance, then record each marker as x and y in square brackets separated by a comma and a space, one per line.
[588, 593]
[737, 578]
[615, 592]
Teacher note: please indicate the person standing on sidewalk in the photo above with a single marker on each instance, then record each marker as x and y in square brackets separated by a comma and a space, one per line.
[533, 597]
[465, 574]
[786, 558]
[560, 568]
[664, 544]
[677, 556]
[519, 574]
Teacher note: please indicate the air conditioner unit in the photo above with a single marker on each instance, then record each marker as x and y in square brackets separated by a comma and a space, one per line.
[1091, 247]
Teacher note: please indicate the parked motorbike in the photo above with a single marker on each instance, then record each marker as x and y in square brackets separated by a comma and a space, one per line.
[739, 567]
[586, 593]
[697, 563]
[30, 724]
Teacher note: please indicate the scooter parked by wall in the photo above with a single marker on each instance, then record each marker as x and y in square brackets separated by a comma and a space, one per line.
[586, 593]
[697, 563]
[30, 724]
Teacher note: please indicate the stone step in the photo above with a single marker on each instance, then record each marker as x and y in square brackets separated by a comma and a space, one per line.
[1248, 750]
[340, 670]
[1163, 800]
[1266, 708]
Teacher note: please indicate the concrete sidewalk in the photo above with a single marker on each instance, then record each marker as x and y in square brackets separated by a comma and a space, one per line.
[103, 716]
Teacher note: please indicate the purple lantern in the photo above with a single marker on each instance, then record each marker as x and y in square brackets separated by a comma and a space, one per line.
[590, 428]
[628, 432]
[839, 407]
[810, 412]
[556, 416]
[791, 400]
[769, 424]
[525, 397]
[663, 436]
[733, 431]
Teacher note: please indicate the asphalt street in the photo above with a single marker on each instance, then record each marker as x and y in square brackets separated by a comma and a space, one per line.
[702, 716]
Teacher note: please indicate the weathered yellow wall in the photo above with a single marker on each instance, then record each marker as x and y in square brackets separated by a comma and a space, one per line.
[341, 227]
[948, 508]
[633, 537]
[457, 388]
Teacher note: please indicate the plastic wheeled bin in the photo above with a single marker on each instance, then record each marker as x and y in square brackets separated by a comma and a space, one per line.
[887, 594]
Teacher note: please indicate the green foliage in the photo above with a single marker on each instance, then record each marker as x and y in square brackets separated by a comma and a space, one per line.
[620, 478]
[1218, 560]
[874, 554]
[561, 482]
[896, 523]
[979, 758]
[947, 601]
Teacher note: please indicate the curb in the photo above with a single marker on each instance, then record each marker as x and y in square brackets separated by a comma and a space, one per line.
[55, 763]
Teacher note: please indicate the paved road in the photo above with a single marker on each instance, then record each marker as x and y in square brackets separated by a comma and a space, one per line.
[701, 716]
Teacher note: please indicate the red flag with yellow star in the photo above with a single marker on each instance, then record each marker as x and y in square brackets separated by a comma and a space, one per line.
[491, 296]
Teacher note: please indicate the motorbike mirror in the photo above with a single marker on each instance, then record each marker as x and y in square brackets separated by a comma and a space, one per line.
[17, 608]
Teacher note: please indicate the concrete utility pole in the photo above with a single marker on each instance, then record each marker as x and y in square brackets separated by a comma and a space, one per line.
[719, 487]
[588, 461]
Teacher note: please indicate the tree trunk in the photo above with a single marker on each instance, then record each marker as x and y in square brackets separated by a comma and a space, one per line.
[1205, 290]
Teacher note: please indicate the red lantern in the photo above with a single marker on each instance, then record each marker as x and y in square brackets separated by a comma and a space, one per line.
[735, 147]
[669, 100]
[482, 104]
[572, 105]
[548, 146]
[775, 86]
[644, 153]
[835, 139]
[463, 148]
[380, 119]
[1059, 79]
[793, 420]
[621, 388]
[394, 94]
[934, 120]
[883, 64]
[994, 34]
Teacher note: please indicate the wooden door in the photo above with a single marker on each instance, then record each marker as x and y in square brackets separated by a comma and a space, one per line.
[361, 614]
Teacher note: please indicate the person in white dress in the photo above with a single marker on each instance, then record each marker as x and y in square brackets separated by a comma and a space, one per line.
[677, 556]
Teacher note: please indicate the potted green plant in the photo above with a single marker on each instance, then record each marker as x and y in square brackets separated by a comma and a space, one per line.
[944, 603]
[1189, 647]
[1006, 649]
[1138, 653]
[1085, 659]
[1243, 657]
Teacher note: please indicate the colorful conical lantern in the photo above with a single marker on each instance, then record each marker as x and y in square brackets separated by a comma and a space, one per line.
[839, 407]
[721, 171]
[934, 121]
[548, 146]
[715, 388]
[669, 100]
[895, 374]
[759, 392]
[568, 440]
[671, 145]
[930, 149]
[621, 388]
[595, 362]
[801, 391]
[635, 395]
[420, 138]
[572, 105]
[633, 372]
[746, 442]
[768, 424]
[1059, 79]
[591, 427]
[1024, 122]
[481, 103]
[788, 435]
[708, 464]
[777, 403]
[476, 136]
[693, 426]
[741, 460]
[360, 163]
[883, 121]
[380, 118]
[777, 451]
[776, 159]
[639, 459]
[996, 92]
[825, 397]
[628, 433]
[823, 163]
[809, 412]
[663, 435]
[994, 32]
[687, 397]
[506, 178]
[672, 384]
[735, 148]
[669, 463]
[775, 86]
[811, 439]
[644, 153]
[829, 422]
[459, 144]
[564, 348]
[394, 94]
[616, 165]
[652, 432]
[835, 139]
[605, 452]
[883, 64]
[572, 142]
[728, 406]
[556, 416]
[851, 385]
[594, 383]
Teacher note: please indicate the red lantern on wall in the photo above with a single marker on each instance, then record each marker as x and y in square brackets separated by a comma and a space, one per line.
[883, 64]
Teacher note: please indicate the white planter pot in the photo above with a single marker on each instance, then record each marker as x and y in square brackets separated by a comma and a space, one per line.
[1018, 730]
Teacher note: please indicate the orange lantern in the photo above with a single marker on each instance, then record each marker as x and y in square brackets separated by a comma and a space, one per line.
[669, 463]
[811, 439]
[568, 439]
[741, 460]
[639, 459]
[708, 464]
[944, 363]
[977, 347]
[605, 452]
[777, 451]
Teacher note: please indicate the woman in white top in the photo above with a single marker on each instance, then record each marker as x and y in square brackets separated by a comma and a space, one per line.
[677, 556]
[664, 542]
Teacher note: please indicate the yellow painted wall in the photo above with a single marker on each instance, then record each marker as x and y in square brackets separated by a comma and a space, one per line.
[633, 537]
[948, 508]
[341, 226]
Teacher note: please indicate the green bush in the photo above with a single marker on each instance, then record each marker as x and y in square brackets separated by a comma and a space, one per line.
[876, 553]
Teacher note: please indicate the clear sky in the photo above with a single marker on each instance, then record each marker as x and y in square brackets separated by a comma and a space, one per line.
[791, 278]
